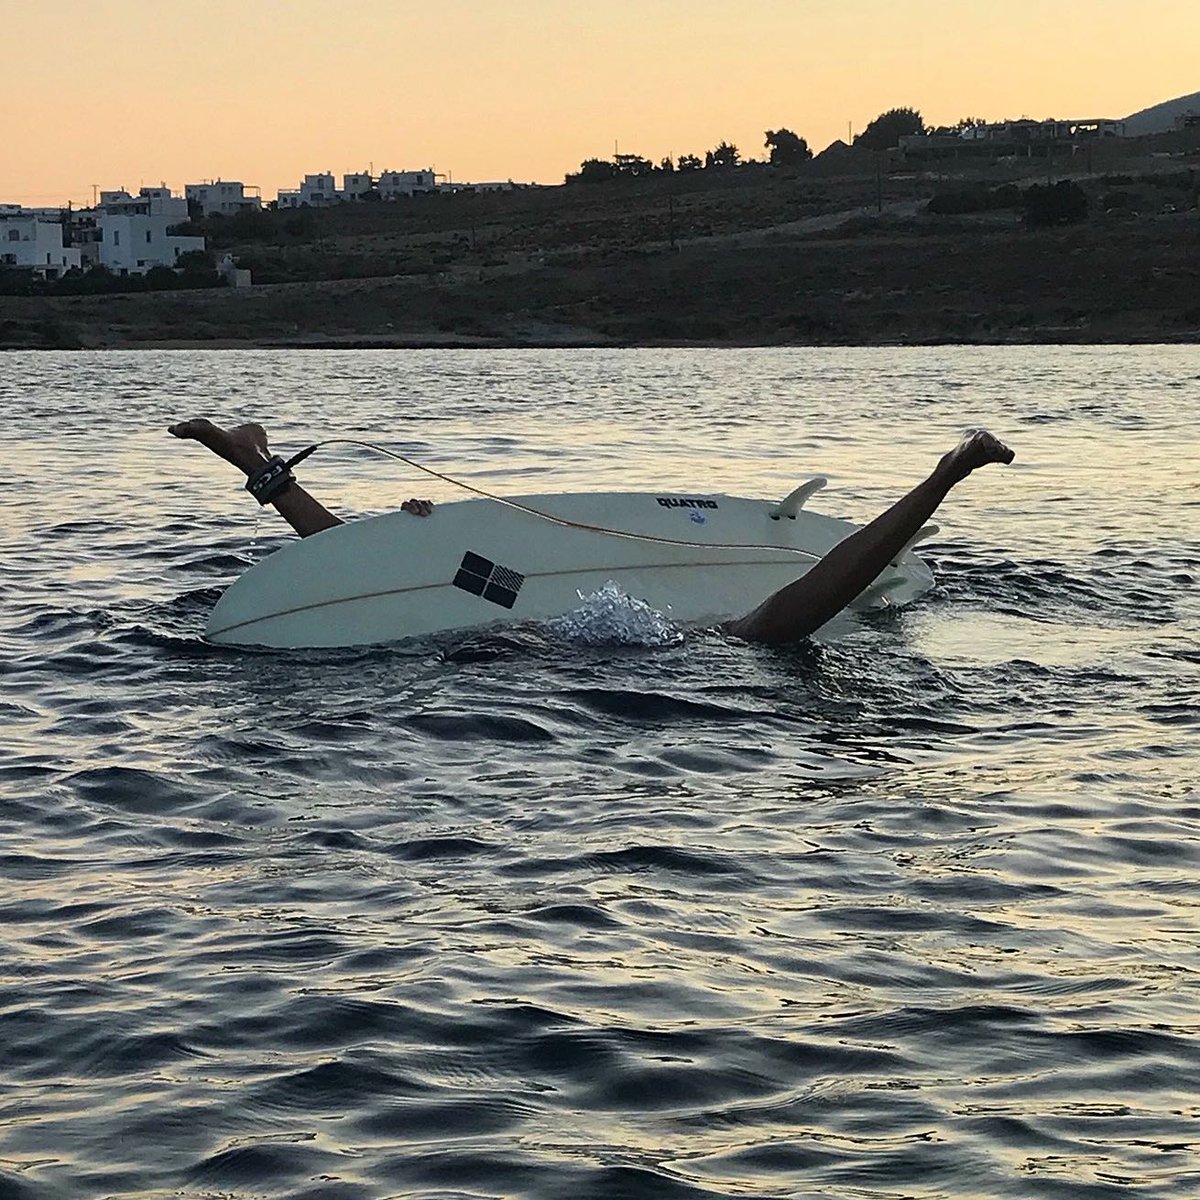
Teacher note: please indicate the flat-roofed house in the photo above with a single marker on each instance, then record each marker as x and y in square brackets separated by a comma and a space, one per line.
[223, 196]
[34, 241]
[131, 234]
[355, 186]
[393, 184]
[318, 189]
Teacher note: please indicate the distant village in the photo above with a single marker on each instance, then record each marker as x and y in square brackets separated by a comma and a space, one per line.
[132, 235]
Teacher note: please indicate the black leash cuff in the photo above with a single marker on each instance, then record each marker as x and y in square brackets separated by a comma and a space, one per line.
[271, 480]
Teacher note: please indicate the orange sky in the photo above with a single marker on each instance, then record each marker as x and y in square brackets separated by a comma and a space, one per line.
[132, 92]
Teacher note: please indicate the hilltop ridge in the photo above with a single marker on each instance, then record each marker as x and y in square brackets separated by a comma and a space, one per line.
[1164, 117]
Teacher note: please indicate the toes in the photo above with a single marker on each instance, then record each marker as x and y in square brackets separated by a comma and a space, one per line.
[195, 428]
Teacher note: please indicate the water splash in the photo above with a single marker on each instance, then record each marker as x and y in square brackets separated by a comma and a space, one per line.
[611, 617]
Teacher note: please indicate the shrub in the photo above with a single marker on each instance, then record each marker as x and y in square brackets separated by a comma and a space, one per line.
[1062, 203]
[161, 279]
[951, 202]
[973, 198]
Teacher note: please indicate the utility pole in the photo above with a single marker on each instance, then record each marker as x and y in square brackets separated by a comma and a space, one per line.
[95, 194]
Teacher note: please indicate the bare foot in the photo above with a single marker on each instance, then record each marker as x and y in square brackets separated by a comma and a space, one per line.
[977, 449]
[245, 445]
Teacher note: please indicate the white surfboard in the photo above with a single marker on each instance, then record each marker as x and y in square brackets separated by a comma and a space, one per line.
[475, 562]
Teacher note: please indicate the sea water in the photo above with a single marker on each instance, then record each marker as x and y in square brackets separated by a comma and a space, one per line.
[909, 911]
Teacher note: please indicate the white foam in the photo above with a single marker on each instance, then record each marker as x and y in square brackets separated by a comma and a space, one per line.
[611, 617]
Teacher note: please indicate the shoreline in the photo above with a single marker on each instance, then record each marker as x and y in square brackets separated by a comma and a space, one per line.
[1034, 338]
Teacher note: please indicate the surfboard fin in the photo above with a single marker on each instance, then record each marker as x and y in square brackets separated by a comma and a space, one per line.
[922, 535]
[794, 502]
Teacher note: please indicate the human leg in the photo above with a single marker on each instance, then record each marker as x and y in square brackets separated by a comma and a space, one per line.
[245, 446]
[803, 606]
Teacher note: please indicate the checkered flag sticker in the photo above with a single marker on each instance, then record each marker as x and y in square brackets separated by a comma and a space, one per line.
[482, 577]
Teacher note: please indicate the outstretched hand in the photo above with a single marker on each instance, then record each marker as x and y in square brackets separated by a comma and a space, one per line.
[418, 508]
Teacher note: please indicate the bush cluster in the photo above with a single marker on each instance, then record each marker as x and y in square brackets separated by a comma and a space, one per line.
[100, 281]
[1063, 203]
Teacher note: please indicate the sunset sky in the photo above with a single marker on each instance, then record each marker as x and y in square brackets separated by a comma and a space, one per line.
[132, 92]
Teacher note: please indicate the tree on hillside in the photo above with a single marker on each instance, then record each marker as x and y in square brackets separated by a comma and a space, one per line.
[632, 165]
[689, 162]
[788, 149]
[888, 128]
[593, 170]
[722, 157]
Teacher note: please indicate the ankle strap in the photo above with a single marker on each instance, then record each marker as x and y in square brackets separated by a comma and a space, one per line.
[271, 480]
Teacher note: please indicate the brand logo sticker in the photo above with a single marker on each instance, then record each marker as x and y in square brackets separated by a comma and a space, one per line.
[488, 579]
[686, 502]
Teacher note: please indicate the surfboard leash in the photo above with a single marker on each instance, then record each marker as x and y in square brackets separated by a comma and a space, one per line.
[533, 512]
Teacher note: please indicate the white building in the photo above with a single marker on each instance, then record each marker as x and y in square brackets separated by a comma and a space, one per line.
[224, 196]
[505, 185]
[29, 239]
[393, 184]
[355, 186]
[316, 190]
[130, 234]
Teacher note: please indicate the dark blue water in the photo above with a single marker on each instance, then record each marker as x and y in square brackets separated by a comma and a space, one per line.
[910, 912]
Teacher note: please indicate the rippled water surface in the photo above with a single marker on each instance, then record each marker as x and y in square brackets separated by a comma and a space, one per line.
[909, 912]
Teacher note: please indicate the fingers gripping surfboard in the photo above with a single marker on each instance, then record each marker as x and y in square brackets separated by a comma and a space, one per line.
[475, 562]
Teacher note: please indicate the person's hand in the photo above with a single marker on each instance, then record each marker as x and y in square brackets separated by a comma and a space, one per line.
[418, 508]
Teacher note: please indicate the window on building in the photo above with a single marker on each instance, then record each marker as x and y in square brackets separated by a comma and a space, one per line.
[14, 235]
[147, 235]
[116, 237]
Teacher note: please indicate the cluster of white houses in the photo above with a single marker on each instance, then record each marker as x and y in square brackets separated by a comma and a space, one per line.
[127, 234]
[321, 189]
[316, 190]
[130, 235]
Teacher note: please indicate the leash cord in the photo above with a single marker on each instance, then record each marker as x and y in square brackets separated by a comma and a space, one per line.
[533, 512]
